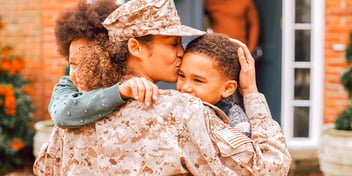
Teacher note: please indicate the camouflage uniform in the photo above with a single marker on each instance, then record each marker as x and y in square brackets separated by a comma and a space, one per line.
[177, 135]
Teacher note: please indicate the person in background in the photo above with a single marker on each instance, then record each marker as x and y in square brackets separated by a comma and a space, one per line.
[236, 18]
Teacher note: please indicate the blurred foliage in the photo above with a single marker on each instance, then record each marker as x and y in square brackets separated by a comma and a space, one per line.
[344, 121]
[349, 50]
[67, 70]
[16, 111]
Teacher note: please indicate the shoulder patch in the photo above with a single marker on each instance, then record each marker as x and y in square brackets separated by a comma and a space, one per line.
[233, 137]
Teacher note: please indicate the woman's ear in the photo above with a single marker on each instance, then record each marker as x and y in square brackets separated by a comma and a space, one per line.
[229, 89]
[134, 47]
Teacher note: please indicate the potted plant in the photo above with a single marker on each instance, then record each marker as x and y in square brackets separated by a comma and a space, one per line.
[335, 150]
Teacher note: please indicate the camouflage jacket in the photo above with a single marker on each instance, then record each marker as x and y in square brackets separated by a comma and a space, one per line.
[177, 135]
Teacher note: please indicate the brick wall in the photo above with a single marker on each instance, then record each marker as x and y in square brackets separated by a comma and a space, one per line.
[30, 30]
[338, 24]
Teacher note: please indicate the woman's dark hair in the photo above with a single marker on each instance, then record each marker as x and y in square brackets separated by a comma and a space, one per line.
[219, 48]
[119, 51]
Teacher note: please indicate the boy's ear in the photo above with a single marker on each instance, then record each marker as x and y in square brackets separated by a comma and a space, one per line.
[230, 88]
[134, 47]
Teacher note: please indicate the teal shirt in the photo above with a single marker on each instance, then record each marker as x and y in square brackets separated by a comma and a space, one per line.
[70, 108]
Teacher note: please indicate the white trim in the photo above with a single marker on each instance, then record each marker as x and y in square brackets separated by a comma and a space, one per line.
[317, 71]
[302, 64]
[316, 65]
[302, 26]
[301, 103]
[287, 72]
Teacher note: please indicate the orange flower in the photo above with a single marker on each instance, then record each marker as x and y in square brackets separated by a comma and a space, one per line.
[9, 90]
[10, 111]
[6, 65]
[28, 90]
[2, 25]
[6, 89]
[17, 144]
[17, 65]
[9, 99]
[2, 90]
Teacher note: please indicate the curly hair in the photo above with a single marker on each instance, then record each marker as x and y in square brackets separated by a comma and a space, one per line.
[82, 21]
[219, 48]
[85, 21]
[95, 69]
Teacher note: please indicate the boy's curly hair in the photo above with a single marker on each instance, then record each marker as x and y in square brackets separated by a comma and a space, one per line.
[83, 21]
[221, 50]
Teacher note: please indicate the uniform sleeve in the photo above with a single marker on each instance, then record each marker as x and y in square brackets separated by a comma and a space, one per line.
[271, 154]
[70, 108]
[228, 152]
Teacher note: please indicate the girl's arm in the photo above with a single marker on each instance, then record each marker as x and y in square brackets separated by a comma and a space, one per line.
[70, 108]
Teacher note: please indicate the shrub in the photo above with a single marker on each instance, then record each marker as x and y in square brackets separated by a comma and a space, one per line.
[344, 121]
[16, 108]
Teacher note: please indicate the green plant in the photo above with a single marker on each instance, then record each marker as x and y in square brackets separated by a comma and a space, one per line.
[349, 50]
[344, 121]
[16, 108]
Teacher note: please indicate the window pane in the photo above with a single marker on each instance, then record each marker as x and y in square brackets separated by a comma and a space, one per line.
[302, 11]
[302, 45]
[301, 122]
[302, 84]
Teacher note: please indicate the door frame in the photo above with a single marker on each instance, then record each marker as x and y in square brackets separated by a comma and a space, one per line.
[317, 28]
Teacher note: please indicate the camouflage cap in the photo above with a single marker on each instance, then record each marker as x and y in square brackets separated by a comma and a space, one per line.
[138, 18]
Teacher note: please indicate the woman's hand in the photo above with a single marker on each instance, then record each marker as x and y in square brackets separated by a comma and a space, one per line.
[247, 82]
[140, 89]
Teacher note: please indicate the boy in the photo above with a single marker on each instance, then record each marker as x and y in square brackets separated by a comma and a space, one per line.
[210, 71]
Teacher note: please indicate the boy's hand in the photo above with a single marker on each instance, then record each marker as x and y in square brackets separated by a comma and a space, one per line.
[140, 89]
[247, 82]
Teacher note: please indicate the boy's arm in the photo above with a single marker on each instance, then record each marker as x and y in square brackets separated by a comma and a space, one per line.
[269, 141]
[70, 108]
[229, 152]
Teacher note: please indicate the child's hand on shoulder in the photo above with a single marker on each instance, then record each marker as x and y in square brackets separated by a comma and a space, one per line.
[140, 89]
[247, 82]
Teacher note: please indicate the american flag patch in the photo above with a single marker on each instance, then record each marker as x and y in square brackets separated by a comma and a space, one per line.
[234, 137]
